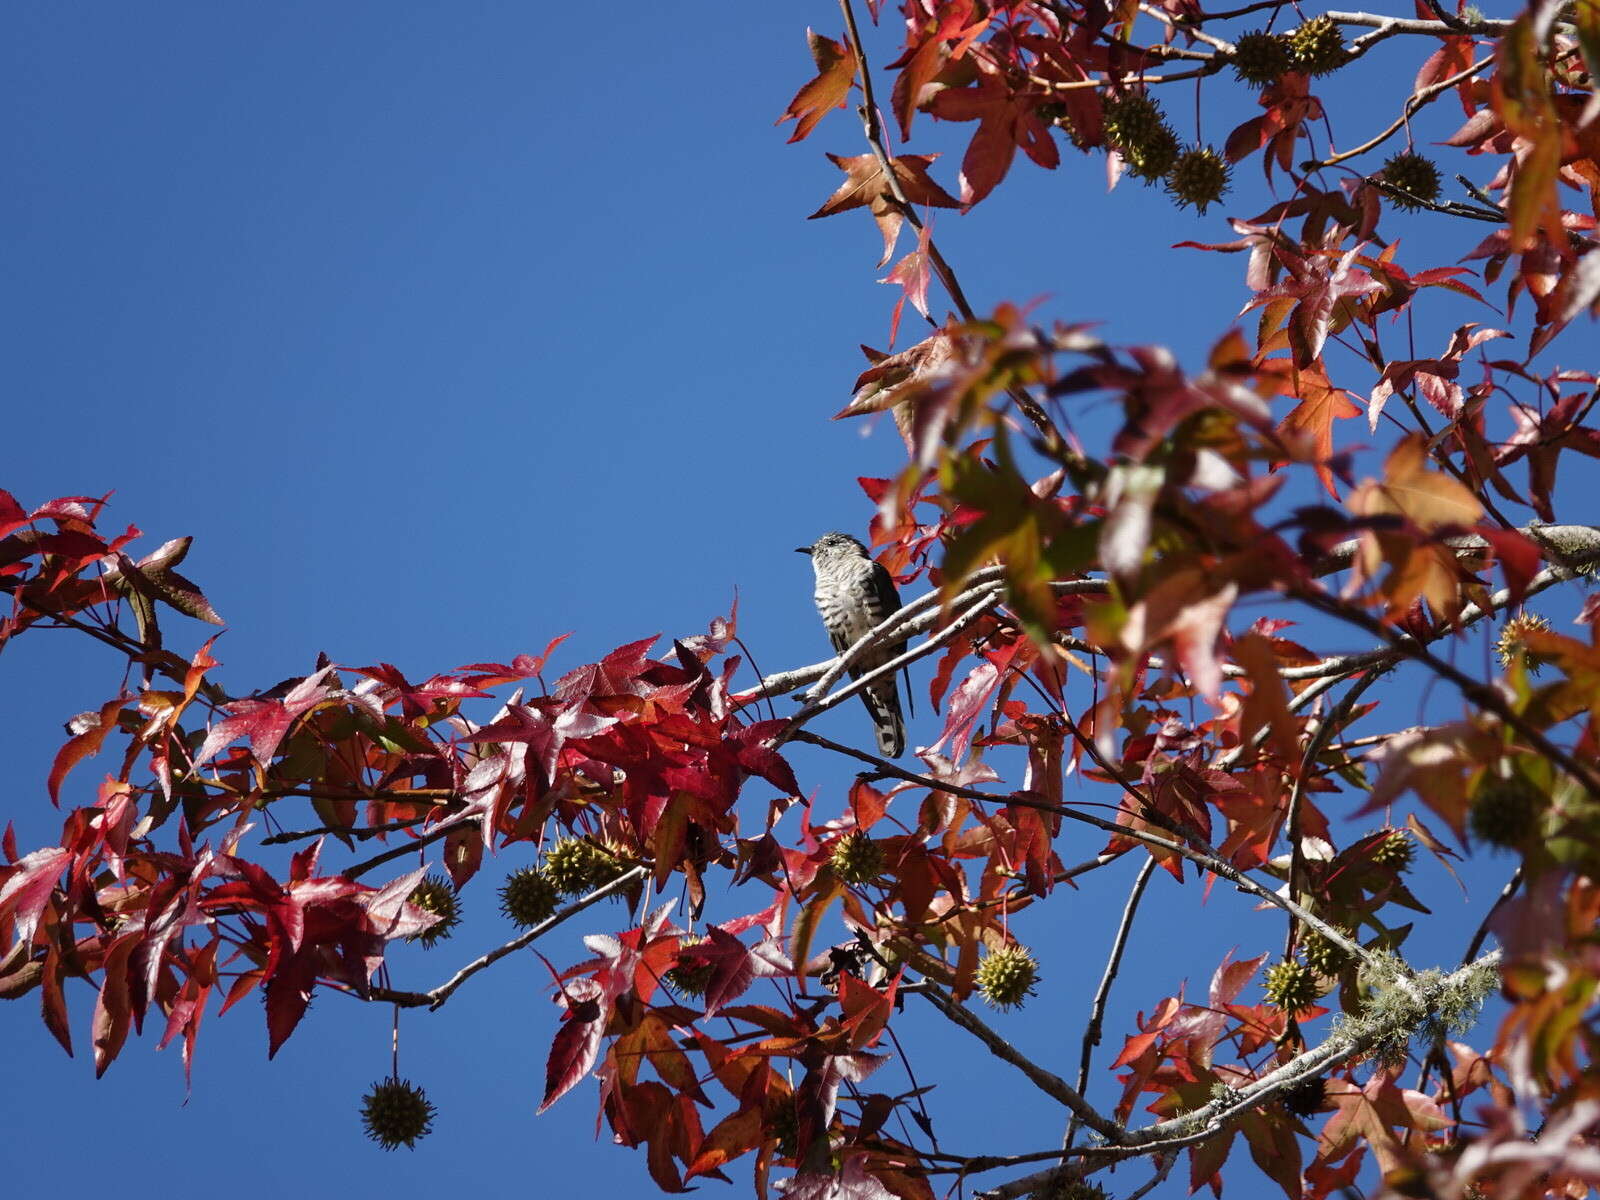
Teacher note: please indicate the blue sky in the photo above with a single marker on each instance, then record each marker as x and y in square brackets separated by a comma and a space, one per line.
[447, 329]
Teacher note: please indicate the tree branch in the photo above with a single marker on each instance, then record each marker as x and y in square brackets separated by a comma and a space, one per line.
[1050, 1084]
[1481, 694]
[1413, 103]
[1097, 1010]
[438, 995]
[1206, 1122]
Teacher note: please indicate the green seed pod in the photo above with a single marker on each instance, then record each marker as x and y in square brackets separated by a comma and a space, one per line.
[1261, 58]
[1199, 177]
[437, 895]
[576, 867]
[1317, 47]
[1132, 118]
[1153, 157]
[1509, 645]
[1397, 851]
[1006, 977]
[1135, 125]
[1323, 956]
[1291, 986]
[784, 1127]
[857, 858]
[528, 897]
[1505, 812]
[396, 1113]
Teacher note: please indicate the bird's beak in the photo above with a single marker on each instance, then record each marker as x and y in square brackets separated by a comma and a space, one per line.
[802, 549]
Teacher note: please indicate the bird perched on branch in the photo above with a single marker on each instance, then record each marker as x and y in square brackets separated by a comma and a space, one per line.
[854, 594]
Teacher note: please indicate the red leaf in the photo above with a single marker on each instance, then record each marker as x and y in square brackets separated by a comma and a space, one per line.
[1312, 419]
[12, 514]
[263, 723]
[577, 1042]
[1006, 120]
[1518, 556]
[912, 273]
[969, 701]
[28, 886]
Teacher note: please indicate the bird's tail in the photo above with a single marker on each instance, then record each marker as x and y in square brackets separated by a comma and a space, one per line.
[884, 705]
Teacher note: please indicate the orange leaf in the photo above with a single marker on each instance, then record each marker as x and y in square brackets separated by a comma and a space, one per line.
[1311, 421]
[836, 71]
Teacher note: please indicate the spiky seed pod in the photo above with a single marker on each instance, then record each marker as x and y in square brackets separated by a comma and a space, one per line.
[577, 867]
[1291, 986]
[396, 1113]
[1132, 118]
[1305, 1096]
[1199, 177]
[784, 1126]
[1135, 125]
[1397, 851]
[690, 977]
[1152, 158]
[1509, 646]
[528, 896]
[1505, 812]
[437, 895]
[1412, 179]
[857, 858]
[1006, 976]
[1322, 955]
[1317, 47]
[1261, 58]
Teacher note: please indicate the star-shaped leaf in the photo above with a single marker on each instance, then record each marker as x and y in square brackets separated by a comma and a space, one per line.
[866, 185]
[836, 71]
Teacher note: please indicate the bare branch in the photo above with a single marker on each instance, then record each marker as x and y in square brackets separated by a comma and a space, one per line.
[1415, 102]
[1097, 1010]
[1052, 1085]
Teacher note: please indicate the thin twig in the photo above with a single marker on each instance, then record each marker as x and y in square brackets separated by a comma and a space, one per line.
[872, 126]
[433, 835]
[438, 995]
[1050, 1084]
[361, 834]
[1415, 102]
[1481, 694]
[1314, 746]
[1097, 1010]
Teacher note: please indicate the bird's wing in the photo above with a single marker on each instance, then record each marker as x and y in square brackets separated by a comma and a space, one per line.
[840, 642]
[887, 597]
[888, 600]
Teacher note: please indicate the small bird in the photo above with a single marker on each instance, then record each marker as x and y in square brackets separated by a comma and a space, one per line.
[855, 594]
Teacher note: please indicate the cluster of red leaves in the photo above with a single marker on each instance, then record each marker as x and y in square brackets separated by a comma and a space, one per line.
[644, 756]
